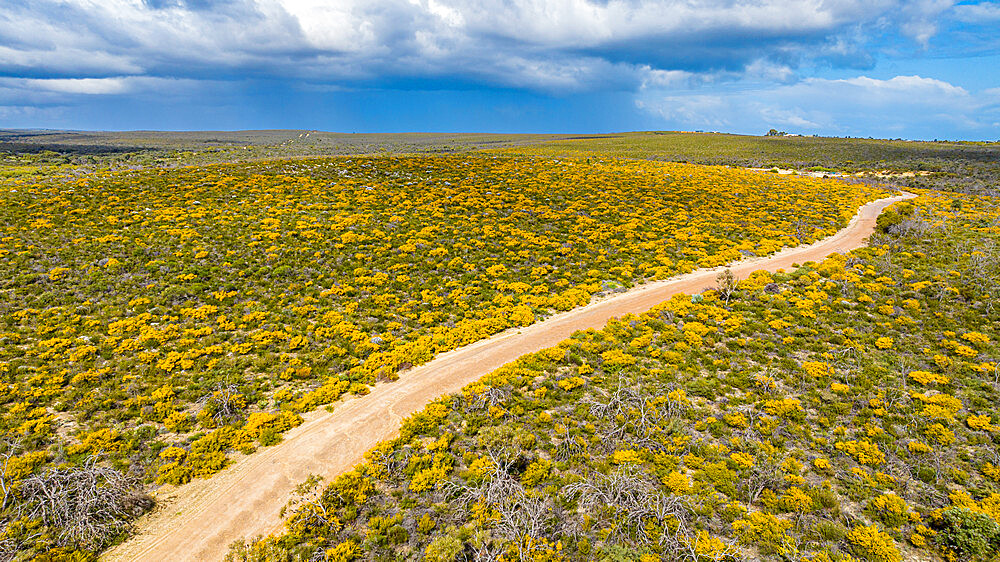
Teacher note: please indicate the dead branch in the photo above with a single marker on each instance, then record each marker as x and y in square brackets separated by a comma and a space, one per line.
[89, 504]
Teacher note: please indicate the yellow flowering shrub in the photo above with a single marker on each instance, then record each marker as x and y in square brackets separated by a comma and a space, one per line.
[343, 552]
[427, 478]
[817, 369]
[939, 433]
[939, 406]
[981, 422]
[536, 472]
[627, 457]
[677, 482]
[873, 545]
[704, 546]
[616, 358]
[796, 500]
[17, 467]
[259, 422]
[742, 460]
[783, 408]
[890, 509]
[571, 383]
[761, 529]
[925, 378]
[976, 338]
[736, 419]
[863, 451]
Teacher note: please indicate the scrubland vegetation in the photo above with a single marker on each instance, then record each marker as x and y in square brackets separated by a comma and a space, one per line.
[67, 151]
[844, 410]
[156, 323]
[158, 319]
[967, 167]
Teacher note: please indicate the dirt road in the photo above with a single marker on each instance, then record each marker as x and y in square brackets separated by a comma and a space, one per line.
[198, 521]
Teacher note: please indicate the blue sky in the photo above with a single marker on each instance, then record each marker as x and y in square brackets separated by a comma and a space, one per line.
[920, 69]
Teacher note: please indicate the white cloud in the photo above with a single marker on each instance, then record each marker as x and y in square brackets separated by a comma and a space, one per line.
[762, 69]
[793, 117]
[919, 18]
[78, 85]
[29, 112]
[703, 111]
[538, 44]
[65, 61]
[859, 106]
[579, 23]
[915, 86]
[665, 78]
[985, 12]
[55, 91]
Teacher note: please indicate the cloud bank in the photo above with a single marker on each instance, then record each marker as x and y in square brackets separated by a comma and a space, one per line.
[550, 44]
[900, 106]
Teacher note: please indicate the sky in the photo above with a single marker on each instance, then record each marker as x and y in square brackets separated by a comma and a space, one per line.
[917, 69]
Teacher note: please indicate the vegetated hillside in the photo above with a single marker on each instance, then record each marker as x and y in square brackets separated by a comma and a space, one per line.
[153, 323]
[844, 410]
[968, 167]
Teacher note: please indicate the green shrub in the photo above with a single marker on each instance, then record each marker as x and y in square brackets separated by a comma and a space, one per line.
[397, 535]
[887, 220]
[890, 509]
[444, 548]
[269, 436]
[830, 531]
[968, 534]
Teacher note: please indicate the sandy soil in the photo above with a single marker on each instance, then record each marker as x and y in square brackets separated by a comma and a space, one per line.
[199, 520]
[886, 174]
[877, 174]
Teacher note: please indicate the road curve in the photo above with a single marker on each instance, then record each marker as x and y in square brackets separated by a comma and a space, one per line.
[199, 520]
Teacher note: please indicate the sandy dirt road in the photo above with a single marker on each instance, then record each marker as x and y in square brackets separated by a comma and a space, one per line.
[199, 520]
